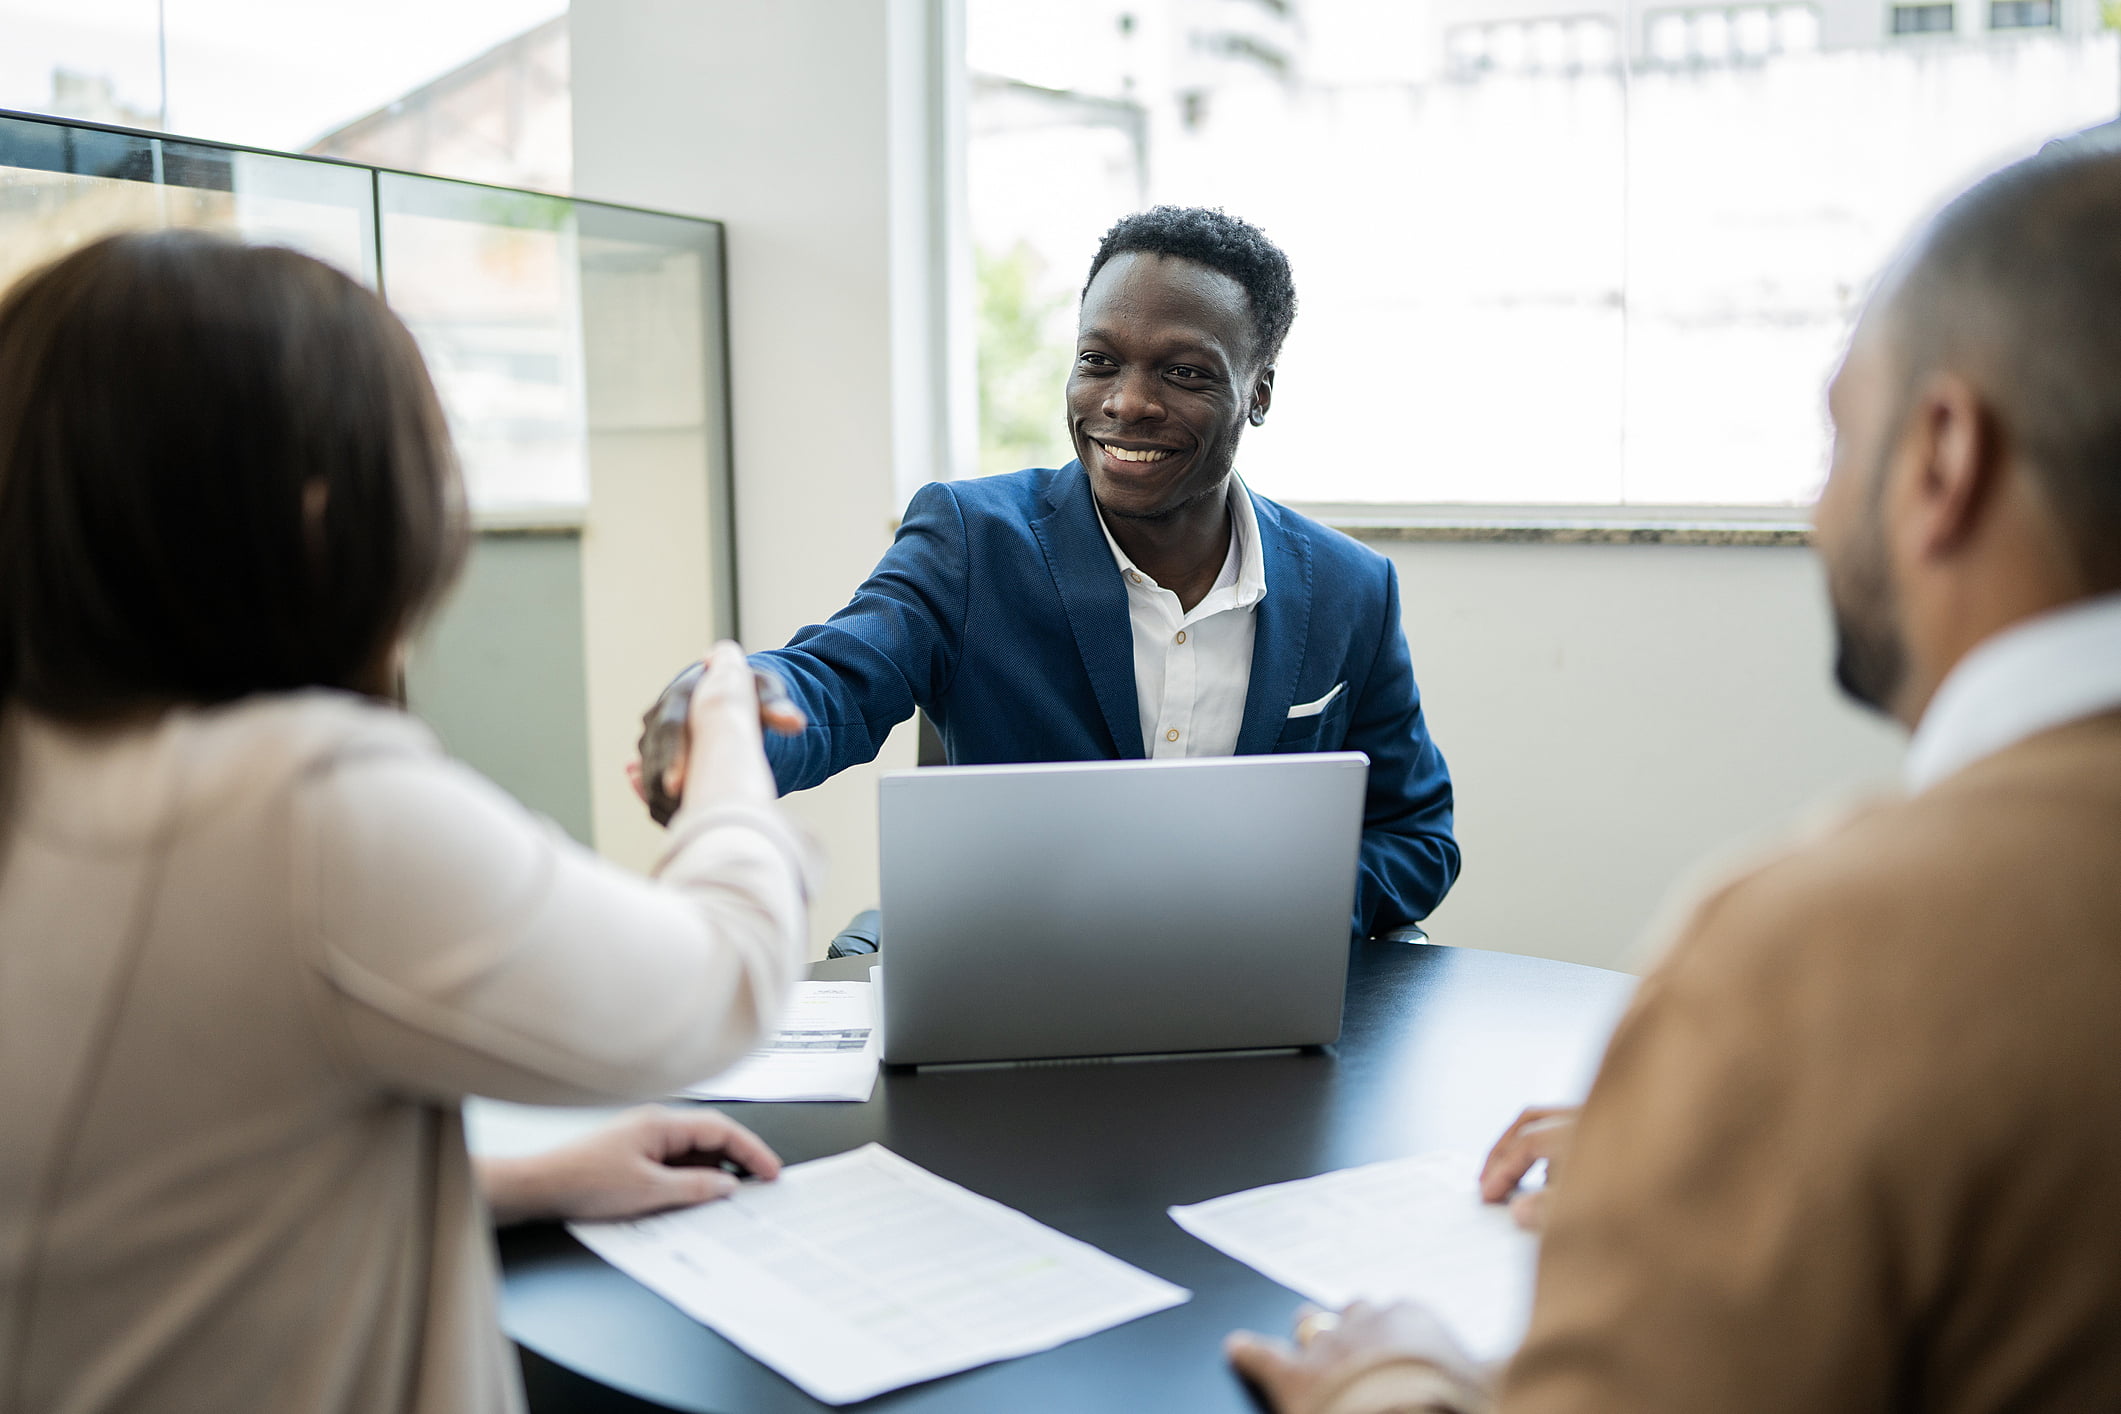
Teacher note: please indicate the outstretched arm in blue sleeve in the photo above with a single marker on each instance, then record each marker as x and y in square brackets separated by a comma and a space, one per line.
[893, 648]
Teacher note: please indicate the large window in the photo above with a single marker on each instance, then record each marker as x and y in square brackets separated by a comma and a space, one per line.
[1583, 253]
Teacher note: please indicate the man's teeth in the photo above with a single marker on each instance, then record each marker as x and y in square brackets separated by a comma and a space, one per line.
[1122, 454]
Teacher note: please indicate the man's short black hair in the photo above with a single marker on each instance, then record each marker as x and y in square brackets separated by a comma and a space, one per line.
[1223, 243]
[2019, 283]
[223, 471]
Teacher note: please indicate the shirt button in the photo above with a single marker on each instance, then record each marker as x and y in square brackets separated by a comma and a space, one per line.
[1135, 576]
[1181, 635]
[1171, 735]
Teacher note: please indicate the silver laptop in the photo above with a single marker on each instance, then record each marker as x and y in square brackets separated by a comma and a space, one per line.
[1117, 907]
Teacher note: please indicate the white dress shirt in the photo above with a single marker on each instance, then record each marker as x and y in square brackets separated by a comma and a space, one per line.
[2044, 673]
[1192, 670]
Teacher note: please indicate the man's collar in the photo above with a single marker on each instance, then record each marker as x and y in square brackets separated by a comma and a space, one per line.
[1251, 561]
[2046, 672]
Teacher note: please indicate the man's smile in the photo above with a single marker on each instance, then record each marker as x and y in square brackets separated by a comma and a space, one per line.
[1137, 455]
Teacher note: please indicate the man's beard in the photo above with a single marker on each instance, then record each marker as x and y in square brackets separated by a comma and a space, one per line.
[1219, 487]
[1870, 659]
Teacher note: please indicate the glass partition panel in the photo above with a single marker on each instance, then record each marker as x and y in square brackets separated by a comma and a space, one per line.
[652, 336]
[489, 282]
[62, 186]
[657, 573]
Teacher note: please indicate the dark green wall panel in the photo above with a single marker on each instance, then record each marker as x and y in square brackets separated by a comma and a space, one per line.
[500, 674]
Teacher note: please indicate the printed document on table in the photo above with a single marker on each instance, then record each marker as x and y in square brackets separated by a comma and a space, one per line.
[825, 1049]
[1410, 1229]
[863, 1272]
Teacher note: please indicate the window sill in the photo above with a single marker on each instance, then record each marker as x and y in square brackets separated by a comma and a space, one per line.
[529, 520]
[1567, 525]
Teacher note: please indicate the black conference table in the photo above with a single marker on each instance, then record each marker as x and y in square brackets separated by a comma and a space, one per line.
[1440, 1048]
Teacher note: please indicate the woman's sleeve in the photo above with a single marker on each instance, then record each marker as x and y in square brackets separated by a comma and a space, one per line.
[466, 946]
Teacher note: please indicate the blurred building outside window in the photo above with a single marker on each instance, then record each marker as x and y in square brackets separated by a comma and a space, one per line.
[1924, 19]
[2023, 14]
[471, 89]
[1546, 251]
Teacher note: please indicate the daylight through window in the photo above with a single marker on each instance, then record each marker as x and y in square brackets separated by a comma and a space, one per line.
[1594, 253]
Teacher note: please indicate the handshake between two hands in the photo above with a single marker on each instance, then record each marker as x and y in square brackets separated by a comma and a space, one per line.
[721, 704]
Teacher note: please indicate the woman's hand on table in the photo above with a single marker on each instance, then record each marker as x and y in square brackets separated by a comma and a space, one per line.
[645, 1161]
[1541, 1132]
[1366, 1359]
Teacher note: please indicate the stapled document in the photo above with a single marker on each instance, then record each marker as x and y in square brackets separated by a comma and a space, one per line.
[1407, 1229]
[863, 1272]
[825, 1048]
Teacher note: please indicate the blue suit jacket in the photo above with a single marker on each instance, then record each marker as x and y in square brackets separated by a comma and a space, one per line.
[999, 611]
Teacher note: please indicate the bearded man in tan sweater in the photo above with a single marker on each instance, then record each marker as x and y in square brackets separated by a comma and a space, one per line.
[1855, 1145]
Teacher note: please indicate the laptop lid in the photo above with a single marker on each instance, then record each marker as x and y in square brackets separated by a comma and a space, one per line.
[1117, 907]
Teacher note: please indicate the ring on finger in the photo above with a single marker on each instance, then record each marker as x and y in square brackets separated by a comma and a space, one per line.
[1315, 1325]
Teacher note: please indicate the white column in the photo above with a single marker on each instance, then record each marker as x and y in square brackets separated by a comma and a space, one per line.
[811, 128]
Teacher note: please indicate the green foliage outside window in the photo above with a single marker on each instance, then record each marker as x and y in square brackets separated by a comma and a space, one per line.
[1023, 364]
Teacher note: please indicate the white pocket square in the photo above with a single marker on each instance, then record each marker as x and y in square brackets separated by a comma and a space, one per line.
[1312, 709]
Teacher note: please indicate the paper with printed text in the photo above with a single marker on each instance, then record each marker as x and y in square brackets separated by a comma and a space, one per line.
[825, 1048]
[1407, 1229]
[863, 1272]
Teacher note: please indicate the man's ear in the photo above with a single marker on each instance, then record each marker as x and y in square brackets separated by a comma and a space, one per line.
[1955, 457]
[1262, 395]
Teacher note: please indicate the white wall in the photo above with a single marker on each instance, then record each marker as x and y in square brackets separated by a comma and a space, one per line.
[1618, 716]
[779, 119]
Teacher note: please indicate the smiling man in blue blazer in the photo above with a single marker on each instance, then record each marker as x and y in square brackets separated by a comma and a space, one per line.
[1140, 601]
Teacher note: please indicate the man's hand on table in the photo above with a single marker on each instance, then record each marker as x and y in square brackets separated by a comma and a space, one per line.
[645, 1161]
[1388, 1359]
[1542, 1132]
[1393, 1359]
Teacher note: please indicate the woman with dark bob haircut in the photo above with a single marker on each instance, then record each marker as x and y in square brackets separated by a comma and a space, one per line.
[258, 936]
